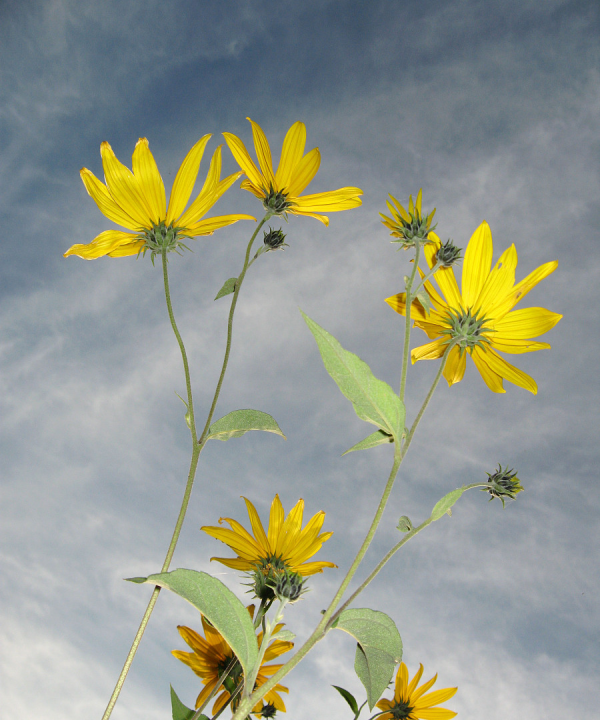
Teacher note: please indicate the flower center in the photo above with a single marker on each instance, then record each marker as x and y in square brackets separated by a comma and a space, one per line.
[276, 201]
[401, 711]
[467, 329]
[162, 237]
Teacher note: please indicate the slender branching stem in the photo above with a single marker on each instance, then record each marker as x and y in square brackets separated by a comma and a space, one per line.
[409, 298]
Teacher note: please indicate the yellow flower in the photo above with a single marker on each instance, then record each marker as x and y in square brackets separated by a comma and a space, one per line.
[407, 226]
[480, 317]
[286, 546]
[410, 702]
[280, 191]
[212, 655]
[136, 200]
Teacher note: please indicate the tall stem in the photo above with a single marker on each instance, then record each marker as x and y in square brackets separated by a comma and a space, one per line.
[409, 298]
[197, 447]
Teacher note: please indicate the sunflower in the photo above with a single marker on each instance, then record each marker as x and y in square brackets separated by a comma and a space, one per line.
[280, 191]
[479, 319]
[410, 702]
[136, 200]
[212, 655]
[286, 547]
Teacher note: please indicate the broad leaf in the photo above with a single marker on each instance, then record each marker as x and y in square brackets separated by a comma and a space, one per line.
[238, 422]
[379, 648]
[349, 698]
[218, 604]
[377, 438]
[180, 711]
[227, 289]
[444, 505]
[374, 400]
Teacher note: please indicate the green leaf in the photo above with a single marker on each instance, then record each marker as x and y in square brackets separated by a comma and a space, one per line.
[180, 711]
[379, 648]
[238, 422]
[444, 505]
[425, 301]
[227, 289]
[374, 400]
[219, 605]
[349, 698]
[377, 438]
[285, 635]
[187, 416]
[404, 524]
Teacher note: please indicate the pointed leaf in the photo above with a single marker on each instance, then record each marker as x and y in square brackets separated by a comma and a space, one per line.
[379, 648]
[238, 422]
[349, 698]
[219, 605]
[377, 438]
[180, 711]
[444, 505]
[374, 400]
[227, 289]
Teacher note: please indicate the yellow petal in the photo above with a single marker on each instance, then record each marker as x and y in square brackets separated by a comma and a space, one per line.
[525, 323]
[490, 377]
[185, 180]
[498, 284]
[341, 199]
[509, 372]
[239, 152]
[398, 303]
[304, 172]
[239, 540]
[257, 527]
[290, 530]
[152, 186]
[436, 714]
[235, 563]
[521, 289]
[435, 698]
[415, 681]
[323, 218]
[291, 154]
[125, 188]
[477, 263]
[419, 199]
[313, 568]
[518, 347]
[276, 517]
[263, 153]
[104, 200]
[431, 351]
[128, 249]
[454, 370]
[401, 684]
[403, 214]
[102, 244]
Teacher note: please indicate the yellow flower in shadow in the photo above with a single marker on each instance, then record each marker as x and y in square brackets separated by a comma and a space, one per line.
[136, 200]
[281, 191]
[285, 545]
[479, 319]
[212, 655]
[411, 703]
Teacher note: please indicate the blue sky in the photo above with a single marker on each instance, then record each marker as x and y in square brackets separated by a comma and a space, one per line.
[491, 107]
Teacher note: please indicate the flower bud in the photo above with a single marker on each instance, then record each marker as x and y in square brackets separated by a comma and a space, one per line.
[448, 254]
[503, 484]
[268, 711]
[274, 240]
[288, 586]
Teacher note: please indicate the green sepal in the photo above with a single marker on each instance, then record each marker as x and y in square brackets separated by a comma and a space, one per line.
[239, 422]
[404, 524]
[227, 289]
[218, 604]
[443, 506]
[374, 400]
[181, 711]
[377, 438]
[378, 651]
[424, 301]
[349, 698]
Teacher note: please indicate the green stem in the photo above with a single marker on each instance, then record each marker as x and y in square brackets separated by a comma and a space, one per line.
[197, 448]
[266, 637]
[216, 688]
[409, 298]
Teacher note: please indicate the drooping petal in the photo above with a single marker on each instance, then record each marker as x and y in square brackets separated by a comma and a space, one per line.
[102, 244]
[398, 303]
[509, 372]
[243, 159]
[454, 370]
[291, 154]
[185, 180]
[490, 377]
[304, 172]
[263, 153]
[430, 351]
[477, 263]
[125, 188]
[104, 200]
[152, 186]
[323, 218]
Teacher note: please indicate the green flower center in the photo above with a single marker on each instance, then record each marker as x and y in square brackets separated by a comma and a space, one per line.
[276, 201]
[402, 710]
[467, 330]
[162, 237]
[414, 230]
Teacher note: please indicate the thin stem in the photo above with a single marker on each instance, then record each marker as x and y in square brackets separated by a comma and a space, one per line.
[409, 298]
[266, 637]
[216, 688]
[197, 447]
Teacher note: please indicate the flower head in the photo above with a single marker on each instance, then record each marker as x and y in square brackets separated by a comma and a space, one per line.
[271, 556]
[479, 320]
[503, 484]
[212, 655]
[411, 703]
[280, 191]
[409, 227]
[136, 200]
